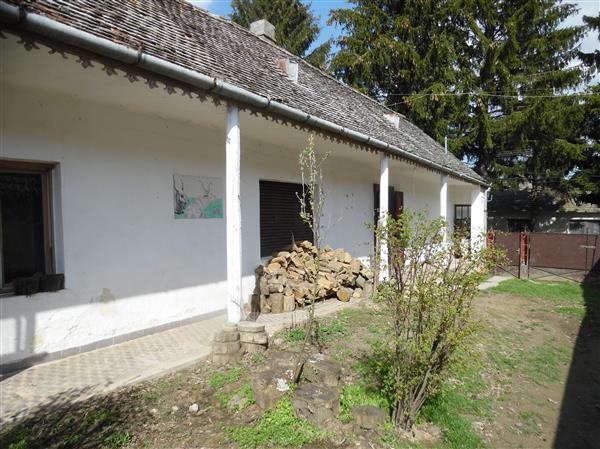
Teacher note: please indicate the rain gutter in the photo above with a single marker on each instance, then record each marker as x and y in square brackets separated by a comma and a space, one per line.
[41, 25]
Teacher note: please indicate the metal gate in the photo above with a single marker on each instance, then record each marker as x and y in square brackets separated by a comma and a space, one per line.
[547, 252]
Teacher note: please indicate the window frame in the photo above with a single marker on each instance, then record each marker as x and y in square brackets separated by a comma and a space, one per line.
[45, 170]
[584, 223]
[466, 230]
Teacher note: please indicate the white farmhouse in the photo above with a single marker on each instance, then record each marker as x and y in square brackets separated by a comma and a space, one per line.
[149, 152]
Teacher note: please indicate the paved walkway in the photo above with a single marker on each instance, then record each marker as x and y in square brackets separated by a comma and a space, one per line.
[492, 282]
[104, 370]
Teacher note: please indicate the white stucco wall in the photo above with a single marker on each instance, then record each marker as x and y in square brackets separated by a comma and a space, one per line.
[129, 265]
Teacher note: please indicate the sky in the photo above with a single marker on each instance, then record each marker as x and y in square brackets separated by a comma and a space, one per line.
[321, 9]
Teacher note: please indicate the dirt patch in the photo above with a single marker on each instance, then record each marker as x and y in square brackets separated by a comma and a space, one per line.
[534, 350]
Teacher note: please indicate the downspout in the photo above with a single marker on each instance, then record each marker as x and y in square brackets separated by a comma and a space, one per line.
[18, 17]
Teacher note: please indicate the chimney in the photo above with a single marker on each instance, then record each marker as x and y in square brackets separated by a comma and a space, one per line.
[264, 29]
[394, 119]
[288, 68]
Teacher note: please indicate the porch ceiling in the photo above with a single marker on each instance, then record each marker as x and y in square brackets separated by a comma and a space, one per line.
[65, 75]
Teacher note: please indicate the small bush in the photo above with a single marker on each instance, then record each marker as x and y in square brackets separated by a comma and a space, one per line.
[427, 296]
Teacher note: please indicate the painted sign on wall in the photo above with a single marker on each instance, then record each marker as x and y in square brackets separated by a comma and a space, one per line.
[197, 197]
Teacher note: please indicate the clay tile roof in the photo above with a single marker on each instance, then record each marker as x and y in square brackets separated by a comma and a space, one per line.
[183, 34]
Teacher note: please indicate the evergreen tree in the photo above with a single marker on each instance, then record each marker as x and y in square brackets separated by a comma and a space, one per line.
[391, 49]
[485, 72]
[296, 28]
[593, 58]
[587, 175]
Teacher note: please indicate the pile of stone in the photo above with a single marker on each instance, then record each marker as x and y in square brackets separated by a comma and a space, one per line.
[317, 397]
[231, 343]
[285, 282]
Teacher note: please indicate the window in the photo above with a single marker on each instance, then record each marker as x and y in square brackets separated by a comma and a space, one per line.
[462, 220]
[280, 222]
[584, 227]
[395, 202]
[25, 221]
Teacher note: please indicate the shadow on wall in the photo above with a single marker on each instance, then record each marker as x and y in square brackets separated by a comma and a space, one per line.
[580, 411]
[78, 313]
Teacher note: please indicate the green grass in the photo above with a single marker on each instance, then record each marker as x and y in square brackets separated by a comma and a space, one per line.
[456, 403]
[223, 397]
[294, 335]
[530, 421]
[93, 427]
[328, 331]
[117, 440]
[570, 298]
[503, 360]
[452, 409]
[279, 428]
[335, 330]
[542, 364]
[220, 379]
[566, 291]
[355, 395]
[447, 409]
[20, 439]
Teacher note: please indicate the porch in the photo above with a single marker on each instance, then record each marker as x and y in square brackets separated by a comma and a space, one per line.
[112, 145]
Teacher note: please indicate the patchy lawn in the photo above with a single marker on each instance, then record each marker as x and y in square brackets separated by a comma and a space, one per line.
[506, 393]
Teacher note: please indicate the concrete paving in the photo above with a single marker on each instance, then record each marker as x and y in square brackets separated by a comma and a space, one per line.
[493, 281]
[103, 370]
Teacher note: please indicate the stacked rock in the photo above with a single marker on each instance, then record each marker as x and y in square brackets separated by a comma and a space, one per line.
[253, 337]
[226, 345]
[286, 280]
[247, 337]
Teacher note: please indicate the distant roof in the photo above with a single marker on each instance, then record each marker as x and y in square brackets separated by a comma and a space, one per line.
[188, 36]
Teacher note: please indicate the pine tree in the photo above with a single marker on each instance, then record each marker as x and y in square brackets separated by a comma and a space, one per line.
[592, 59]
[485, 72]
[587, 174]
[296, 28]
[392, 49]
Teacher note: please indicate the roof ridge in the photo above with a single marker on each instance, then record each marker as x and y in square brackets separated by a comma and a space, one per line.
[328, 75]
[304, 61]
[175, 39]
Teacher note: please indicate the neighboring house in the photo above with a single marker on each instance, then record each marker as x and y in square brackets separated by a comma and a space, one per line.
[149, 151]
[549, 211]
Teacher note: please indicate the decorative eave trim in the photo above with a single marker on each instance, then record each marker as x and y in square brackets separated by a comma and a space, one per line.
[63, 39]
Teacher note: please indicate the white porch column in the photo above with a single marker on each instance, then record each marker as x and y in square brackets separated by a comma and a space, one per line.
[384, 182]
[235, 303]
[478, 225]
[444, 202]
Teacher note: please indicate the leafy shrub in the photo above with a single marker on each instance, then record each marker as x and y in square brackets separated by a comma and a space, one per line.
[428, 298]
